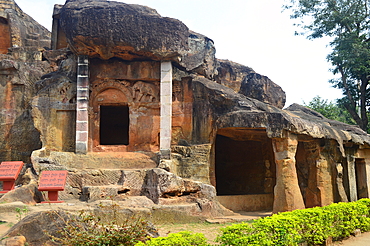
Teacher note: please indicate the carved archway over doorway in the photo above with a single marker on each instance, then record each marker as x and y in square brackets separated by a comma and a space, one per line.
[124, 116]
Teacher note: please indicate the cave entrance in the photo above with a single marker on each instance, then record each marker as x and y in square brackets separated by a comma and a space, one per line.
[244, 169]
[5, 41]
[114, 125]
[361, 178]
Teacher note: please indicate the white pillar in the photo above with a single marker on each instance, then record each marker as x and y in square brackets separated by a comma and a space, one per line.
[166, 110]
[82, 104]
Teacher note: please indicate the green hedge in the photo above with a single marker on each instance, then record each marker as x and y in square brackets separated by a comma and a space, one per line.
[312, 225]
[184, 238]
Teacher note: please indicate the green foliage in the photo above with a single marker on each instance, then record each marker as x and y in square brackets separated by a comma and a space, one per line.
[347, 22]
[330, 110]
[89, 229]
[313, 226]
[184, 238]
[21, 212]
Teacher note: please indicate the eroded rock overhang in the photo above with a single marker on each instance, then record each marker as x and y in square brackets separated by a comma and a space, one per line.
[238, 111]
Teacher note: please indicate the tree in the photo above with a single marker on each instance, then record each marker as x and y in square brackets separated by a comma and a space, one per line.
[348, 23]
[330, 110]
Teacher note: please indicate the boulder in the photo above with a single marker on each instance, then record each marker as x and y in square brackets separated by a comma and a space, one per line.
[37, 227]
[191, 162]
[231, 74]
[109, 29]
[131, 31]
[263, 89]
[200, 57]
[115, 184]
[28, 194]
[160, 183]
[15, 241]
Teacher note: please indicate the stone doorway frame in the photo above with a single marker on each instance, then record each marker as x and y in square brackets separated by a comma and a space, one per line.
[107, 93]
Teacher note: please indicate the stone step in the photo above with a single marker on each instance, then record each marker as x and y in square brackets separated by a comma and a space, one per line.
[94, 160]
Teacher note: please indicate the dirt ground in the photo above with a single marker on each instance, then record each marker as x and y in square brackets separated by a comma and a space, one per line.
[210, 231]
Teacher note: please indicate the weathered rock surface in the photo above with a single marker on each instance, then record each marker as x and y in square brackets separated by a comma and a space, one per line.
[191, 162]
[287, 194]
[263, 89]
[24, 30]
[200, 57]
[28, 194]
[134, 32]
[231, 74]
[18, 134]
[21, 44]
[15, 241]
[226, 108]
[160, 186]
[36, 227]
[46, 160]
[129, 31]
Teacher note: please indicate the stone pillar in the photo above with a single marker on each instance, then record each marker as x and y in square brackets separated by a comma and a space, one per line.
[339, 182]
[166, 110]
[288, 196]
[82, 117]
[367, 175]
[351, 172]
[312, 194]
[324, 181]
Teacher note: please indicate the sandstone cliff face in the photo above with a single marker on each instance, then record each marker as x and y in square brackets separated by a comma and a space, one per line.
[18, 134]
[21, 44]
[54, 103]
[23, 31]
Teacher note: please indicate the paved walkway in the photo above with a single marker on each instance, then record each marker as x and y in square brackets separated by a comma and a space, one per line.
[362, 240]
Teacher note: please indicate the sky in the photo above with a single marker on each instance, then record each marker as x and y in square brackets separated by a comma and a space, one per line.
[255, 33]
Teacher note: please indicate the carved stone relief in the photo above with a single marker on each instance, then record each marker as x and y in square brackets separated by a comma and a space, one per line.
[145, 92]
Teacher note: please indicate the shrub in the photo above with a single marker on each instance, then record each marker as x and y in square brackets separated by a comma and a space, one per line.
[184, 238]
[87, 228]
[312, 225]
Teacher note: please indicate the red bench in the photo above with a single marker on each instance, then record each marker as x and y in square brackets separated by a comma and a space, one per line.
[9, 171]
[52, 182]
